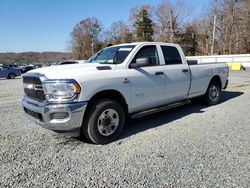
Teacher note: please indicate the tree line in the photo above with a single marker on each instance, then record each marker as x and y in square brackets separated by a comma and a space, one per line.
[223, 28]
[33, 57]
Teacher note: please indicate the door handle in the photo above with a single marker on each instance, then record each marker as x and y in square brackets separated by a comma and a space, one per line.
[184, 70]
[159, 73]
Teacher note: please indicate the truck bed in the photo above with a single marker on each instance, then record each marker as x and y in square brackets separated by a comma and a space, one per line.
[199, 83]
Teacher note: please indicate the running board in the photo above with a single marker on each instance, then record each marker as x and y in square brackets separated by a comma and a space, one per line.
[159, 109]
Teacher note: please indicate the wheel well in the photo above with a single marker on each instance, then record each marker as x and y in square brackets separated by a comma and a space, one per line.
[109, 94]
[217, 79]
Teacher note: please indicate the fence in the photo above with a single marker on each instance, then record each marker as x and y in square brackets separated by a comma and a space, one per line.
[243, 59]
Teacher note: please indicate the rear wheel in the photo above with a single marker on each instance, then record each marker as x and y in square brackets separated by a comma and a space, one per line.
[11, 76]
[104, 122]
[212, 96]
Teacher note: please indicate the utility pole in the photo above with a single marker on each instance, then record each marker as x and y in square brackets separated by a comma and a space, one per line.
[212, 47]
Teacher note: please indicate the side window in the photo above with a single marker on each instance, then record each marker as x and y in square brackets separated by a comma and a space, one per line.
[171, 55]
[148, 52]
[3, 68]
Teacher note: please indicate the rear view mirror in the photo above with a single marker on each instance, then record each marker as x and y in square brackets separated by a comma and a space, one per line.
[141, 62]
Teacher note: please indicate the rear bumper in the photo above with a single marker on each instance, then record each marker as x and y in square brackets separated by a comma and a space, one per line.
[64, 118]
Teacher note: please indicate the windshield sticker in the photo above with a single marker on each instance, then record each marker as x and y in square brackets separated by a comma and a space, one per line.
[125, 49]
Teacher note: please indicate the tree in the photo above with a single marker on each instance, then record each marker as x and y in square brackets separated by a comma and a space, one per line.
[127, 36]
[142, 23]
[225, 23]
[116, 32]
[231, 33]
[204, 29]
[170, 20]
[85, 38]
[189, 40]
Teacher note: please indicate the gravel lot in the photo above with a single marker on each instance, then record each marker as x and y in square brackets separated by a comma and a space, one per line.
[191, 146]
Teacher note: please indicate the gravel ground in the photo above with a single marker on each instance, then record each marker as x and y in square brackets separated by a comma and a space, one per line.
[191, 146]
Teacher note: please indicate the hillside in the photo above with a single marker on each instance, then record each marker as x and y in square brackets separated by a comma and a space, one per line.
[33, 57]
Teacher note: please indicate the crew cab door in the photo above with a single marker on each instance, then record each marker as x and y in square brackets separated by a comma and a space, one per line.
[147, 83]
[177, 74]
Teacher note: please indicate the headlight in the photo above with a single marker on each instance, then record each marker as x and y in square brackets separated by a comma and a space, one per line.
[61, 89]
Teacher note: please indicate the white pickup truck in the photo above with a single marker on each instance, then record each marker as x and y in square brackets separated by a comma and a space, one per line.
[94, 99]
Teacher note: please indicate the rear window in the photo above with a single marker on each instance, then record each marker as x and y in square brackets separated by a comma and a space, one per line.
[171, 55]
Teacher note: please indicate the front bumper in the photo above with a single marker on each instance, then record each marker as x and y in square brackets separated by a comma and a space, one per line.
[64, 118]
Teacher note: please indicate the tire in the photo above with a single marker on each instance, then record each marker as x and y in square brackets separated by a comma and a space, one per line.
[213, 93]
[104, 122]
[11, 76]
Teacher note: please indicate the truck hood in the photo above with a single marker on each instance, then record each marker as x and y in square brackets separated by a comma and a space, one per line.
[72, 71]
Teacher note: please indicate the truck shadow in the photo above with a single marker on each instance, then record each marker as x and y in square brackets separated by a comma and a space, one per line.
[152, 121]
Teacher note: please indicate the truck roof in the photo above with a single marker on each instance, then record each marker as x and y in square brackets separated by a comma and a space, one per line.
[152, 43]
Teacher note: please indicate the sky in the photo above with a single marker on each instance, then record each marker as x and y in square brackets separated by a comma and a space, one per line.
[45, 25]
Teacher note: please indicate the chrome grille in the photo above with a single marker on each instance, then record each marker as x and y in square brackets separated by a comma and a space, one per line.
[33, 88]
[31, 80]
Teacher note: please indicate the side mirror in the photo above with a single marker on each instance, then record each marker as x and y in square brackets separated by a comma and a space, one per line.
[141, 62]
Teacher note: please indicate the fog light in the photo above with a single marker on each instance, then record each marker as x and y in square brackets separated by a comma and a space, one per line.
[59, 116]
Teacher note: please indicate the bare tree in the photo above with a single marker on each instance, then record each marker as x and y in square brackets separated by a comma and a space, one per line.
[231, 28]
[116, 32]
[170, 20]
[204, 29]
[85, 38]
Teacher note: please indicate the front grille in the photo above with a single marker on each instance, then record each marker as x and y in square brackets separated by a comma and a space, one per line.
[34, 114]
[33, 92]
[31, 80]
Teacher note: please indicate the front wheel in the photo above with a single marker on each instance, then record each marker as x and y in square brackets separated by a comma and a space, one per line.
[212, 96]
[104, 122]
[11, 76]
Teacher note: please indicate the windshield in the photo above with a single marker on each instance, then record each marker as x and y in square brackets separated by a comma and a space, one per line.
[111, 55]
